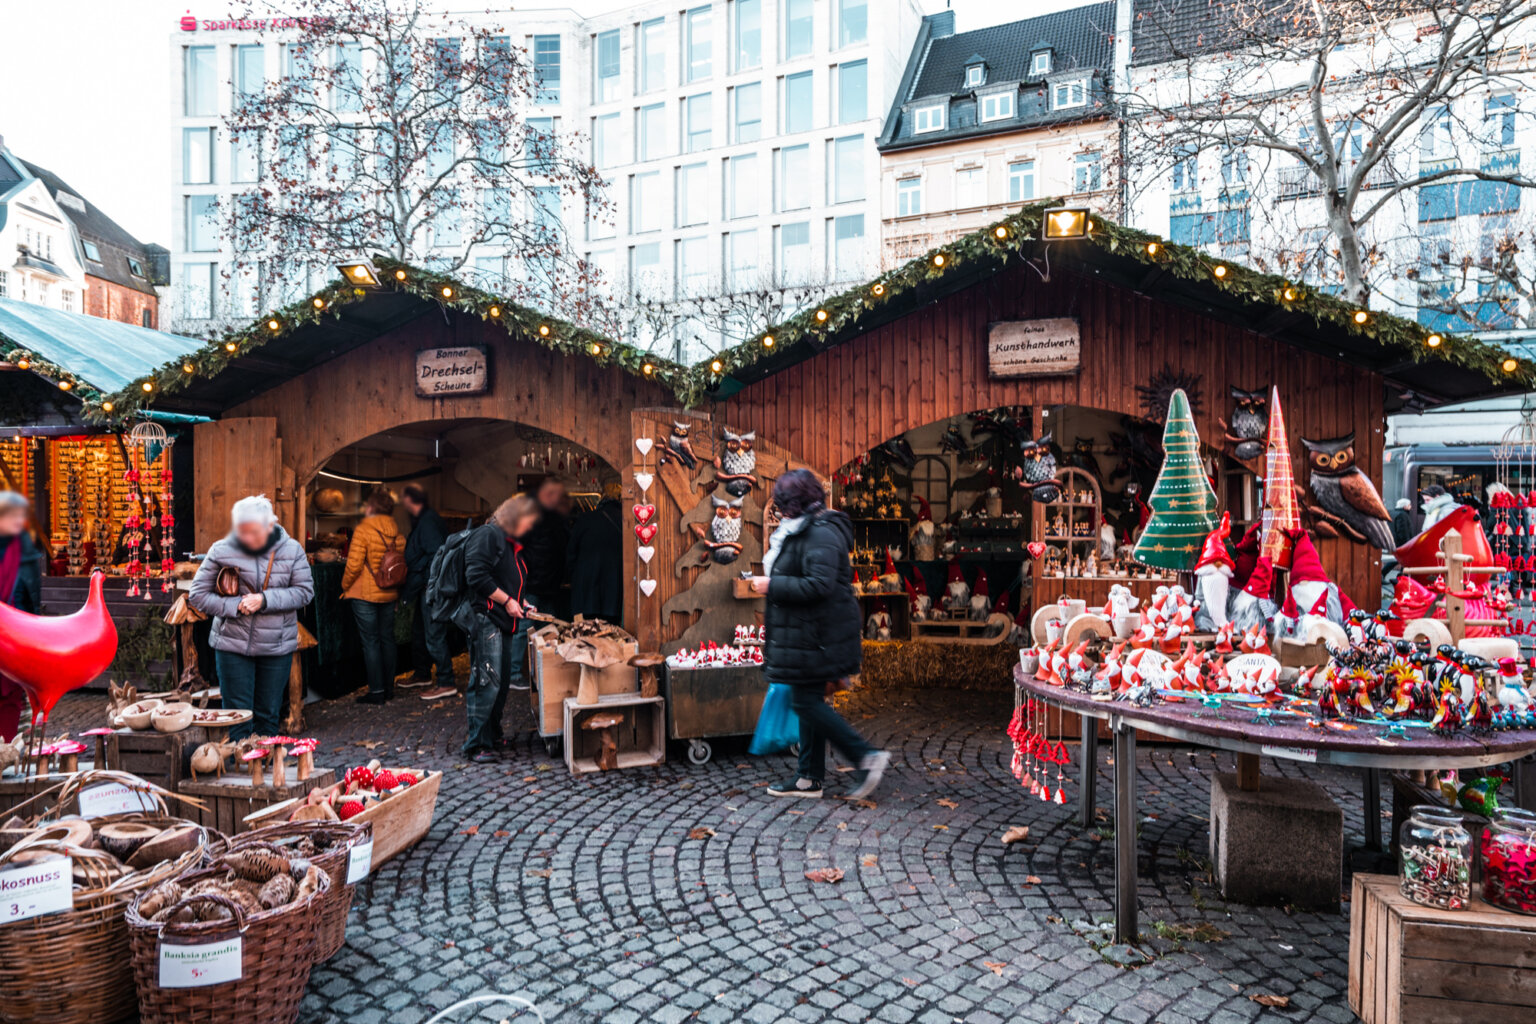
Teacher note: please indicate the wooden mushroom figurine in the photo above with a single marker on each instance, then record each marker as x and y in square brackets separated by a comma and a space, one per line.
[68, 752]
[648, 662]
[44, 756]
[100, 737]
[605, 725]
[279, 748]
[305, 750]
[182, 615]
[253, 758]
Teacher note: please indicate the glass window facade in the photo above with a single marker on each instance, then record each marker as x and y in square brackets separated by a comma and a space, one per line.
[606, 86]
[798, 98]
[197, 156]
[201, 81]
[698, 27]
[846, 166]
[852, 22]
[546, 69]
[651, 56]
[698, 112]
[748, 102]
[748, 34]
[852, 91]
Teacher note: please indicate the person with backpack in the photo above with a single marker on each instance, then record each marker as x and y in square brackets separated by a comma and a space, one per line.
[429, 638]
[371, 582]
[493, 611]
[252, 583]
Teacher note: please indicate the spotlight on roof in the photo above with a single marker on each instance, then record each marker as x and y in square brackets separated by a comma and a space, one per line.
[360, 272]
[1065, 222]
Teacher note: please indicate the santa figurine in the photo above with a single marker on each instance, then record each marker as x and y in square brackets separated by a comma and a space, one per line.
[917, 596]
[1213, 577]
[980, 604]
[1253, 605]
[890, 579]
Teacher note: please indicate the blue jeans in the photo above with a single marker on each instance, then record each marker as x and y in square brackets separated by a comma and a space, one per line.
[253, 683]
[818, 724]
[429, 644]
[495, 665]
[376, 634]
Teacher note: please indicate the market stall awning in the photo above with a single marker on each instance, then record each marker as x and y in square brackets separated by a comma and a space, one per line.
[106, 354]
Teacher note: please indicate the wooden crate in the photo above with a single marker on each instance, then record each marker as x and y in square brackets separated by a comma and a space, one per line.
[16, 790]
[1415, 965]
[399, 822]
[555, 679]
[230, 800]
[163, 758]
[641, 736]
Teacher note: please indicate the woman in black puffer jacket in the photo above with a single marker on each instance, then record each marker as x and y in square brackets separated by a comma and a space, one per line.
[813, 630]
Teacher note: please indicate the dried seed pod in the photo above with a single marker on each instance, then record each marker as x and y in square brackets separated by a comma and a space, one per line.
[256, 865]
[277, 892]
[207, 910]
[245, 887]
[310, 884]
[247, 900]
[160, 897]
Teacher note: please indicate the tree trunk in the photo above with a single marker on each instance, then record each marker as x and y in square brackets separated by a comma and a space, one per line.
[1355, 289]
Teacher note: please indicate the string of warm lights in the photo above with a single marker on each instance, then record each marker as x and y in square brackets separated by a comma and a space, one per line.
[1015, 235]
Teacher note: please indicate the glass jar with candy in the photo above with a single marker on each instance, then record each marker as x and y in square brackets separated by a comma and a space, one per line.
[1509, 860]
[1435, 858]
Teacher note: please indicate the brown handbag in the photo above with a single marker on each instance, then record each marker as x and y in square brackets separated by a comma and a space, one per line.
[229, 584]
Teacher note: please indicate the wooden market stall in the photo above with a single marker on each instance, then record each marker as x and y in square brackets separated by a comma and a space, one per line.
[1117, 319]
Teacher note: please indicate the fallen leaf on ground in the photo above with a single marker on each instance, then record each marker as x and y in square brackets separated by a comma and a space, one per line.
[530, 778]
[538, 872]
[868, 805]
[1265, 999]
[869, 860]
[825, 874]
[1032, 880]
[948, 803]
[994, 966]
[941, 828]
[842, 826]
[700, 832]
[369, 744]
[501, 833]
[1015, 834]
[473, 830]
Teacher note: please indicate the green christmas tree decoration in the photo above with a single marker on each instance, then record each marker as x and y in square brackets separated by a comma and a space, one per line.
[1183, 504]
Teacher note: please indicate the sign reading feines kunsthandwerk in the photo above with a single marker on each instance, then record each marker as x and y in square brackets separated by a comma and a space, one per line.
[445, 372]
[1032, 348]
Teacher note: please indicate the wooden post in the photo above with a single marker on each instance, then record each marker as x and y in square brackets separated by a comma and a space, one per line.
[1248, 772]
[1455, 607]
[295, 723]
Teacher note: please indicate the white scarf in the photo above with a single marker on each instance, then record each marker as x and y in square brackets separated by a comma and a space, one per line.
[787, 528]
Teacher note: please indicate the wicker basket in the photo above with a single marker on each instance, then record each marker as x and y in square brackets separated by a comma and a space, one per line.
[72, 968]
[276, 954]
[331, 929]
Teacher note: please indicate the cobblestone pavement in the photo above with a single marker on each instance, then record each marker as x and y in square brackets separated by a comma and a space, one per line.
[589, 897]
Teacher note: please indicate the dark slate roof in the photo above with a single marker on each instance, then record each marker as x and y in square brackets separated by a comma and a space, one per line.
[1080, 38]
[116, 244]
[1163, 30]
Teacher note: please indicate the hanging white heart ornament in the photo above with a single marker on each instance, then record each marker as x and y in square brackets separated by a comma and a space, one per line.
[647, 587]
[644, 444]
[644, 481]
[646, 553]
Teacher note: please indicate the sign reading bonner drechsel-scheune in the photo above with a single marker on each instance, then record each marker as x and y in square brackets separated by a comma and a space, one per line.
[1032, 348]
[445, 372]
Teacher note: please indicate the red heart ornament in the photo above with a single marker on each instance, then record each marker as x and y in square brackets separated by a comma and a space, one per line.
[1036, 548]
[645, 531]
[643, 513]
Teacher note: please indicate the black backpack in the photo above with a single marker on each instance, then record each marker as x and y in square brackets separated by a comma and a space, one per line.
[446, 589]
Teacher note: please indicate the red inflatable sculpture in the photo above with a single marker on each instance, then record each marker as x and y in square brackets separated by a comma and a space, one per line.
[49, 655]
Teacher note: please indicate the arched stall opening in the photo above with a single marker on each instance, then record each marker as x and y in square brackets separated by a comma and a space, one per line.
[967, 525]
[466, 467]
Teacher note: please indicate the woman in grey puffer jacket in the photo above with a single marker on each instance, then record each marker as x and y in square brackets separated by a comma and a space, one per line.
[256, 632]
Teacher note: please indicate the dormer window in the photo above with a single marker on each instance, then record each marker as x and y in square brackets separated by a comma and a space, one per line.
[996, 106]
[975, 74]
[1040, 62]
[92, 252]
[928, 119]
[1072, 92]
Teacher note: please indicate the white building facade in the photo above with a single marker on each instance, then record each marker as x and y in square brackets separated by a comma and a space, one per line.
[41, 260]
[737, 138]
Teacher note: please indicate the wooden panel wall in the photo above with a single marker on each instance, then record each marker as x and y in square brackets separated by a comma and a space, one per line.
[372, 389]
[932, 364]
[232, 458]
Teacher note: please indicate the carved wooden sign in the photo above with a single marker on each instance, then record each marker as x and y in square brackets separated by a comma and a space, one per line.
[445, 372]
[1034, 348]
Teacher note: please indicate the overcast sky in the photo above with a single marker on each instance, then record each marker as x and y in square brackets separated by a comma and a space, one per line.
[85, 89]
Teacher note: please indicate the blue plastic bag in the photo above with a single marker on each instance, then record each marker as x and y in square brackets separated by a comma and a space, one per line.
[777, 725]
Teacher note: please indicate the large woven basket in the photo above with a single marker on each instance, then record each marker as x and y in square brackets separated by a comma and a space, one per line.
[276, 954]
[72, 968]
[331, 928]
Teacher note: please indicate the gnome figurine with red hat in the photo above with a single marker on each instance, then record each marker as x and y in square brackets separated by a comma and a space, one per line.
[1253, 605]
[957, 594]
[890, 579]
[1213, 578]
[980, 605]
[1311, 594]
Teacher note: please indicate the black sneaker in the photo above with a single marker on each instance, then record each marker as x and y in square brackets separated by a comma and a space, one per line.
[485, 757]
[373, 698]
[796, 787]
